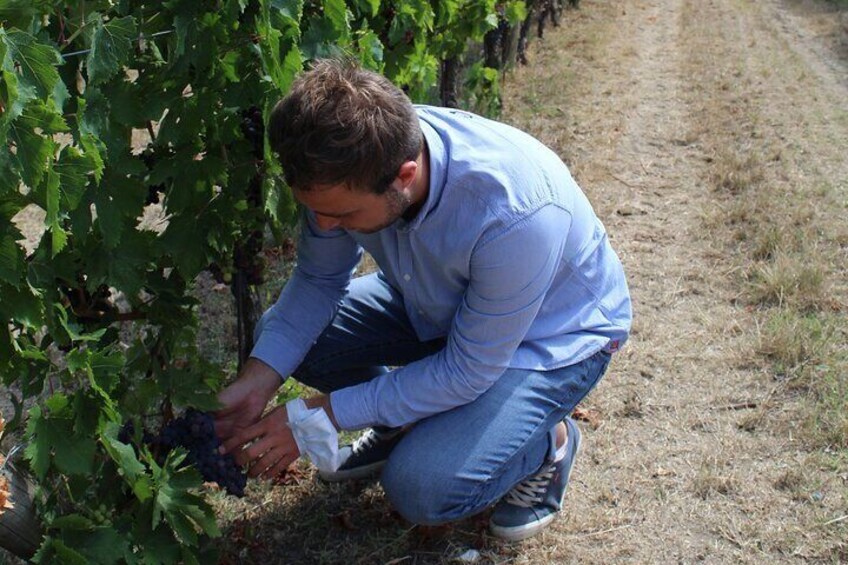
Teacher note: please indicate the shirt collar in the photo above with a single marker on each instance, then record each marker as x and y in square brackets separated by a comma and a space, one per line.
[438, 175]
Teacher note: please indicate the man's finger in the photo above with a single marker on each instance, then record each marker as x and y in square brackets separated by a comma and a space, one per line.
[242, 437]
[266, 460]
[281, 465]
[224, 428]
[252, 453]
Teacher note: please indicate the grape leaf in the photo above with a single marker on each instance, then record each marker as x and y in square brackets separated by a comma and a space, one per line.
[11, 254]
[73, 167]
[38, 61]
[185, 512]
[53, 219]
[22, 306]
[32, 152]
[336, 12]
[44, 116]
[72, 522]
[13, 104]
[103, 544]
[72, 454]
[90, 142]
[122, 454]
[111, 44]
[56, 551]
[38, 449]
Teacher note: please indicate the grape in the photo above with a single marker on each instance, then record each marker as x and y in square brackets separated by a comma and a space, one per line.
[194, 431]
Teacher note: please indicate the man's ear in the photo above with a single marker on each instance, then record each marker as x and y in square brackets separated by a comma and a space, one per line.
[406, 174]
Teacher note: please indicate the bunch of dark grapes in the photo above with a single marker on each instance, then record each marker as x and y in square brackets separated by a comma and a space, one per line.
[195, 431]
[149, 157]
[253, 129]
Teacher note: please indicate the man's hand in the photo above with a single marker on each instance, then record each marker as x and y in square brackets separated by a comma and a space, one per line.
[273, 448]
[245, 399]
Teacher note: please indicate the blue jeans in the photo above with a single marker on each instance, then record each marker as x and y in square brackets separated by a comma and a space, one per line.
[457, 463]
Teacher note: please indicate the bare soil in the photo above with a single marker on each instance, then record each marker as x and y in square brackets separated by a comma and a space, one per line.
[695, 458]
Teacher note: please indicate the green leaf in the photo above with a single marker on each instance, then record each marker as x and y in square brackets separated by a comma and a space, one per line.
[21, 306]
[190, 386]
[6, 350]
[73, 167]
[74, 330]
[57, 404]
[370, 50]
[54, 550]
[230, 66]
[12, 265]
[185, 241]
[32, 152]
[38, 449]
[291, 9]
[10, 97]
[44, 116]
[111, 45]
[185, 512]
[123, 454]
[18, 13]
[375, 6]
[336, 12]
[57, 232]
[292, 65]
[72, 522]
[89, 140]
[516, 12]
[37, 64]
[73, 454]
[101, 545]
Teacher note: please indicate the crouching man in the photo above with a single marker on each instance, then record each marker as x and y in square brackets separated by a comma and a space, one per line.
[496, 308]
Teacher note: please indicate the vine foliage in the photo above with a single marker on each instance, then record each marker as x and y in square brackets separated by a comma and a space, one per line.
[134, 129]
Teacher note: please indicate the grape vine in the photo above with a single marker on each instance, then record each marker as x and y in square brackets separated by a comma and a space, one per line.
[111, 110]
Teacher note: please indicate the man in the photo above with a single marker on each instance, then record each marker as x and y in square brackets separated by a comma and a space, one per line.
[499, 301]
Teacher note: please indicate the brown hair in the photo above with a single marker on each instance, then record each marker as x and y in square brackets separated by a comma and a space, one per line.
[341, 124]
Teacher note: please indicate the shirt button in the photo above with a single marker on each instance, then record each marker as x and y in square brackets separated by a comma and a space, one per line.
[406, 277]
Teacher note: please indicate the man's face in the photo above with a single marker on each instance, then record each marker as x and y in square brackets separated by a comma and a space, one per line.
[337, 206]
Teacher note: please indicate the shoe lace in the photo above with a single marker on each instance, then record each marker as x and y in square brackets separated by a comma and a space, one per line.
[529, 492]
[366, 441]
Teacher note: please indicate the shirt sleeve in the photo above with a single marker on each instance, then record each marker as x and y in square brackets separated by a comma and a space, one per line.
[510, 274]
[325, 264]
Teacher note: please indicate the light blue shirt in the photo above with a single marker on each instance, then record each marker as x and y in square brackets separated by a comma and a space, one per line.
[506, 258]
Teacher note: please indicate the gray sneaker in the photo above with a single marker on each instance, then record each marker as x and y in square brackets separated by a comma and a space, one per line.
[533, 504]
[366, 456]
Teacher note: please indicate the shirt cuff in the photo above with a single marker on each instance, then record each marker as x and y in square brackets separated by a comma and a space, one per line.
[351, 409]
[275, 350]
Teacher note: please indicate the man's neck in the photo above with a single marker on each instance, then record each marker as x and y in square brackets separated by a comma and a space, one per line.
[421, 186]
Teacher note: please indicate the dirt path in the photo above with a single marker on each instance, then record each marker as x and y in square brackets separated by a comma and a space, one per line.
[692, 460]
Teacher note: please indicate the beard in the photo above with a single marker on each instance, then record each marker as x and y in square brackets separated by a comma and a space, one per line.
[397, 203]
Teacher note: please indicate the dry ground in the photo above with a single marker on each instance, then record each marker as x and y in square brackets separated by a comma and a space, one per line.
[673, 115]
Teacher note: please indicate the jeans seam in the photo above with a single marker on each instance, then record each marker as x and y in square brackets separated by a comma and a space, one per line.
[507, 463]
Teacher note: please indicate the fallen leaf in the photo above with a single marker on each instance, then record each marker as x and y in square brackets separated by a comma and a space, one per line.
[588, 415]
[5, 499]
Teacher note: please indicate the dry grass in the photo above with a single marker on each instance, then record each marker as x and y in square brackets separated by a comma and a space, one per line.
[776, 225]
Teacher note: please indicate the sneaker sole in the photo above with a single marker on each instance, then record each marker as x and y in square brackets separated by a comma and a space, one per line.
[363, 472]
[518, 533]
